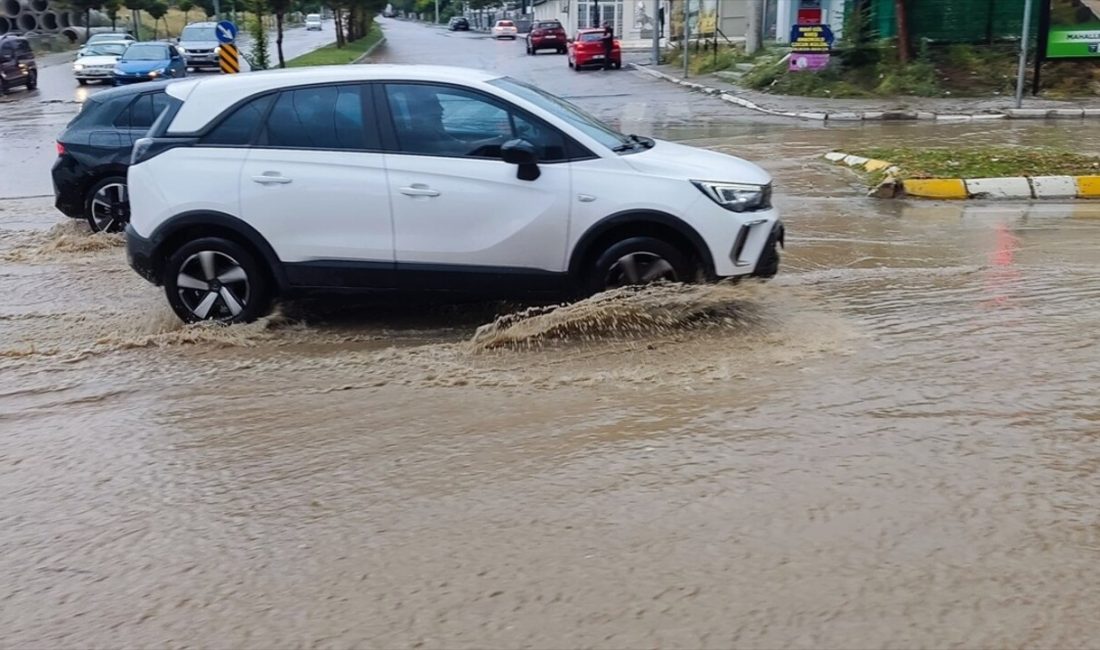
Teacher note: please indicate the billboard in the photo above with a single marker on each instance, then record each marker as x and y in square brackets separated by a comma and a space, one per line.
[1074, 29]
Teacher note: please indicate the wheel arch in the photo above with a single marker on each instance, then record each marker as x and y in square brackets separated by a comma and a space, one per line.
[633, 223]
[170, 235]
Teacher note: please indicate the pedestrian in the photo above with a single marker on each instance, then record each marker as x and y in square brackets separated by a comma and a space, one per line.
[608, 44]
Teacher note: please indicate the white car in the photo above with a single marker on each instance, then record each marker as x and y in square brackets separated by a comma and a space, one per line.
[313, 21]
[269, 184]
[96, 62]
[505, 29]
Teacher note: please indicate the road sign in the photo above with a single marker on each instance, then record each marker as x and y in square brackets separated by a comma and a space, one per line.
[228, 58]
[226, 32]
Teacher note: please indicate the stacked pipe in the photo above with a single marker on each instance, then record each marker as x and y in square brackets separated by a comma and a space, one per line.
[46, 17]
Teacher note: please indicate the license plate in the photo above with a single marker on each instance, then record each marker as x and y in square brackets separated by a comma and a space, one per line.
[597, 56]
[551, 37]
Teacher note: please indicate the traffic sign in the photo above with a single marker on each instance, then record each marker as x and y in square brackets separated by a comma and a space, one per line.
[227, 58]
[226, 32]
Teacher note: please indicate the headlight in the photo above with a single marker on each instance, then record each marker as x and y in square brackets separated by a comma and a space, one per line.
[737, 197]
[78, 66]
[156, 73]
[217, 50]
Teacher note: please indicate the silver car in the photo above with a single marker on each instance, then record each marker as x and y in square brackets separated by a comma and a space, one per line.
[199, 45]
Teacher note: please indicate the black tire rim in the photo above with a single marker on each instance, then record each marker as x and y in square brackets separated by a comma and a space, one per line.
[213, 286]
[111, 207]
[639, 268]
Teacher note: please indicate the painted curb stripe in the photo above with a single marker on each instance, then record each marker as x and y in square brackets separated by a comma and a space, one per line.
[936, 188]
[1088, 187]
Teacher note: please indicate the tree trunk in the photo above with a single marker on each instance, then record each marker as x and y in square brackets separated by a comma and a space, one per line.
[279, 38]
[87, 24]
[754, 35]
[339, 26]
[903, 31]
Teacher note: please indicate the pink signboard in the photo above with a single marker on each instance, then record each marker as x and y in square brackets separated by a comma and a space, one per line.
[800, 62]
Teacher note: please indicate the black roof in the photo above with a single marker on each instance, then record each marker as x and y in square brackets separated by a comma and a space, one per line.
[131, 89]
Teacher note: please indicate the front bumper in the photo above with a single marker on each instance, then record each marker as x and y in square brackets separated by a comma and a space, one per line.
[140, 254]
[91, 74]
[121, 80]
[767, 264]
[194, 60]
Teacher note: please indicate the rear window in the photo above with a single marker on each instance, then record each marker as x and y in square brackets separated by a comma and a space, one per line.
[592, 37]
[552, 25]
[506, 23]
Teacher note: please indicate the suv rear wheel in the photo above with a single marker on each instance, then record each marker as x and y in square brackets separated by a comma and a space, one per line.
[638, 261]
[216, 279]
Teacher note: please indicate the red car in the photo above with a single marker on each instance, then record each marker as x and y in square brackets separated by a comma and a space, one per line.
[546, 35]
[588, 49]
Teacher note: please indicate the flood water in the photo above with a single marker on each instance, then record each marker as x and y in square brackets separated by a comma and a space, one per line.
[891, 444]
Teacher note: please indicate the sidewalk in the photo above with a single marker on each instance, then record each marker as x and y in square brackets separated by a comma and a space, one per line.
[886, 108]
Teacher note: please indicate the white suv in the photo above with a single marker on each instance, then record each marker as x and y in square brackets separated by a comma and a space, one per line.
[423, 178]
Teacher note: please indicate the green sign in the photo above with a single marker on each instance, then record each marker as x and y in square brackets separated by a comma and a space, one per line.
[1074, 29]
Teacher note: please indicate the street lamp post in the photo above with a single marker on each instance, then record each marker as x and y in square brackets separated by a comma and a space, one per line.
[1023, 55]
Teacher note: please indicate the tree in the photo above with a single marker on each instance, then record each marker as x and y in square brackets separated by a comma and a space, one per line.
[112, 7]
[135, 7]
[157, 10]
[904, 46]
[279, 8]
[85, 7]
[185, 6]
[259, 58]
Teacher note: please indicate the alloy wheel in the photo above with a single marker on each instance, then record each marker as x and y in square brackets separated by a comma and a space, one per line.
[213, 286]
[111, 207]
[639, 268]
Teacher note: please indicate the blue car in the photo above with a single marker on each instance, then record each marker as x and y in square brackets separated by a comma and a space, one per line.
[149, 61]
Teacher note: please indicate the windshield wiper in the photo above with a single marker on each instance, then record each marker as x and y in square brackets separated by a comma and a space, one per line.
[626, 146]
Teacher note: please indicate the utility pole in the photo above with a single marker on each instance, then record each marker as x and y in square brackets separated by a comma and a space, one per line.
[755, 29]
[1023, 55]
[436, 12]
[656, 32]
[687, 30]
[217, 11]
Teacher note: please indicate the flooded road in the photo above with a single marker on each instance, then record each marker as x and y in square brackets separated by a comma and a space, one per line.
[891, 444]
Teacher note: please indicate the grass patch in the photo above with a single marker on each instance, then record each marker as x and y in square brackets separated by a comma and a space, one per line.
[332, 55]
[984, 162]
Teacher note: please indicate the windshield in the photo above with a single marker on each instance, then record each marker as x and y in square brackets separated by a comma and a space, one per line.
[106, 37]
[105, 49]
[560, 108]
[144, 52]
[313, 17]
[196, 33]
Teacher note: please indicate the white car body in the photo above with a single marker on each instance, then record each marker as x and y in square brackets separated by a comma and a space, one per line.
[98, 67]
[313, 21]
[505, 29]
[410, 211]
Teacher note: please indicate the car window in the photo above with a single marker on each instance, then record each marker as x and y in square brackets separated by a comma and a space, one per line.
[329, 117]
[6, 52]
[591, 37]
[240, 125]
[446, 121]
[196, 33]
[563, 110]
[143, 111]
[23, 47]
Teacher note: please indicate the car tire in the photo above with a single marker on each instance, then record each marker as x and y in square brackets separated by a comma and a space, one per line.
[236, 286]
[32, 80]
[561, 50]
[637, 261]
[617, 65]
[82, 82]
[107, 205]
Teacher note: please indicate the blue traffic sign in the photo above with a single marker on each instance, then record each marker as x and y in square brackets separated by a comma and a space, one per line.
[226, 32]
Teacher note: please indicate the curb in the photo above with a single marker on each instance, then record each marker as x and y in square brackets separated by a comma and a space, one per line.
[1007, 187]
[881, 116]
[365, 55]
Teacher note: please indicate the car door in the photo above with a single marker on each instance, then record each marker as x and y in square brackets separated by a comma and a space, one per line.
[456, 204]
[177, 66]
[315, 185]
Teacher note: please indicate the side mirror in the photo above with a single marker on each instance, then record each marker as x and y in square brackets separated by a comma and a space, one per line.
[522, 153]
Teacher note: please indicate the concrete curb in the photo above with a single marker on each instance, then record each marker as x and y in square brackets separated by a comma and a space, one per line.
[1009, 187]
[882, 116]
[365, 55]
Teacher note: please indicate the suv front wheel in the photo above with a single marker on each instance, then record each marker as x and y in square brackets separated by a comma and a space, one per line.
[216, 279]
[638, 261]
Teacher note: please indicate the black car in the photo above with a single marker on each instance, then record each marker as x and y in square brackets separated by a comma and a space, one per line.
[459, 24]
[89, 176]
[17, 66]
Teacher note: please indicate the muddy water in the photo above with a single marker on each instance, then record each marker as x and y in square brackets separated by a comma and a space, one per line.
[892, 444]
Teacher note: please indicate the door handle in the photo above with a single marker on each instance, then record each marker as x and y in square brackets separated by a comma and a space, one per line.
[418, 189]
[270, 178]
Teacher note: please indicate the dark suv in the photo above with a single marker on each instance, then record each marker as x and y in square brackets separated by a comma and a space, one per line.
[458, 24]
[89, 176]
[546, 35]
[17, 67]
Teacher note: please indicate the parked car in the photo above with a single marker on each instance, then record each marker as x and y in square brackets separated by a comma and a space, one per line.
[588, 50]
[425, 178]
[96, 62]
[89, 175]
[313, 21]
[198, 43]
[17, 65]
[458, 24]
[505, 29]
[105, 37]
[148, 62]
[546, 35]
